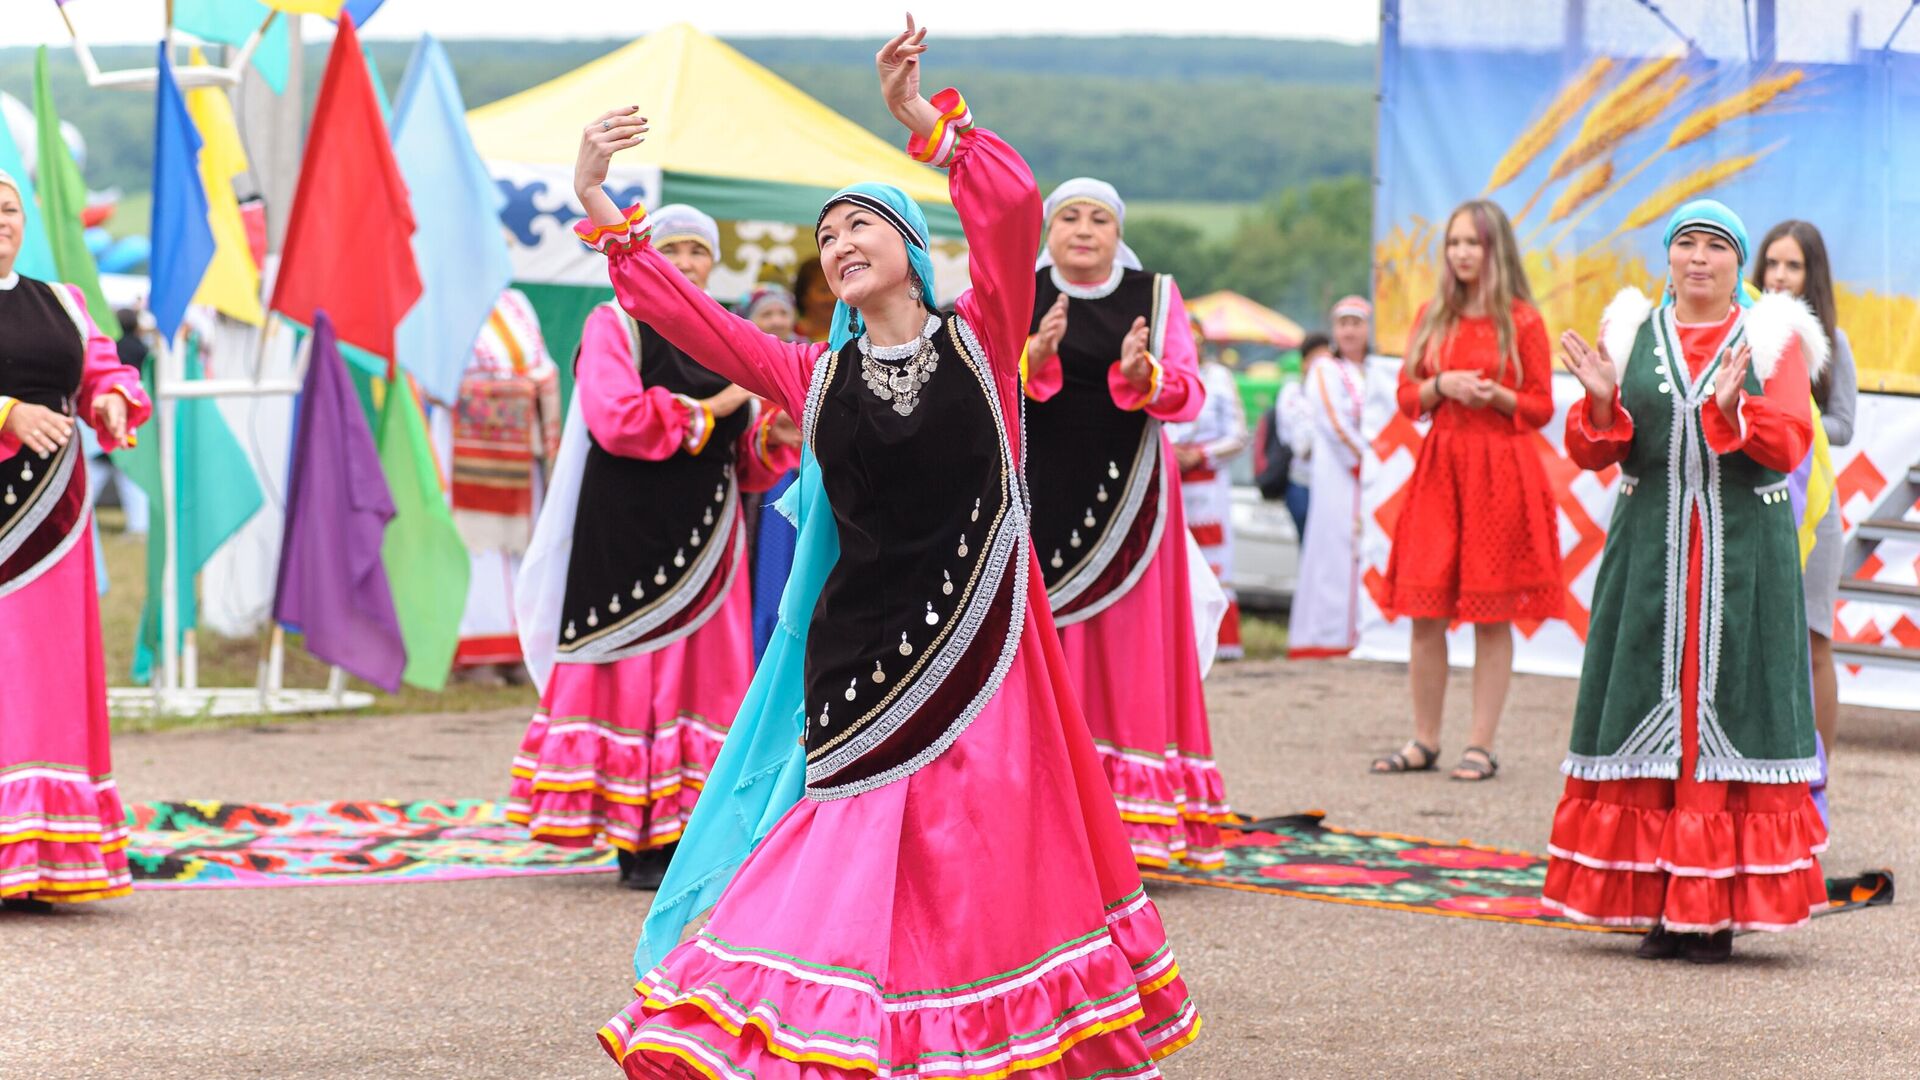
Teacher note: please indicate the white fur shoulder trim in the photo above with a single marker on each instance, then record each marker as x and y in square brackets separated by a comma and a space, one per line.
[1620, 324]
[1775, 319]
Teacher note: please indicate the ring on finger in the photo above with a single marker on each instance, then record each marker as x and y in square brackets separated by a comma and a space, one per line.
[606, 125]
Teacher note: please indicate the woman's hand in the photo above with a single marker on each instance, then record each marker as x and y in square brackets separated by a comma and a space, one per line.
[1135, 365]
[728, 401]
[110, 419]
[1046, 340]
[40, 429]
[1594, 368]
[898, 63]
[1464, 387]
[783, 432]
[1731, 380]
[612, 132]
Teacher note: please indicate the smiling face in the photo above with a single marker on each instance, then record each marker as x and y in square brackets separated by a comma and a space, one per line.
[1466, 250]
[13, 223]
[1705, 267]
[863, 256]
[1082, 238]
[1785, 268]
[692, 258]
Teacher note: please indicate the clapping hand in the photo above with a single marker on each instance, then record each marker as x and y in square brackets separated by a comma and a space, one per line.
[1053, 327]
[1731, 380]
[1136, 366]
[1596, 372]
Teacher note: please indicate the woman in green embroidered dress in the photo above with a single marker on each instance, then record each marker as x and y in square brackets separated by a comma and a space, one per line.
[1686, 808]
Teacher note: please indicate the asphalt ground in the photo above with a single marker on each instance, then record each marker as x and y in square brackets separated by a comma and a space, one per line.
[510, 978]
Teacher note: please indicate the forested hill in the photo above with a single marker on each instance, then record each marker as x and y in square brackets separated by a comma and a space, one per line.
[1211, 119]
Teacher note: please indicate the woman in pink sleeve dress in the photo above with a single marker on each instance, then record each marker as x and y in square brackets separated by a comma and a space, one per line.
[653, 648]
[888, 924]
[1111, 359]
[63, 834]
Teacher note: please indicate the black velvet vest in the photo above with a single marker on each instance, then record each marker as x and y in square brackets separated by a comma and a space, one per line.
[43, 498]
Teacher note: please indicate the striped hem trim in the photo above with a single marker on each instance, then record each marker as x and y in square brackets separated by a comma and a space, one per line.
[628, 235]
[940, 145]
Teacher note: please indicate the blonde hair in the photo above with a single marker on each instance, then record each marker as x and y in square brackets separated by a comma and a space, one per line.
[1503, 279]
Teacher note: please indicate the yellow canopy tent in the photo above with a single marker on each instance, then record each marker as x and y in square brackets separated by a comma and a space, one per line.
[1226, 316]
[728, 135]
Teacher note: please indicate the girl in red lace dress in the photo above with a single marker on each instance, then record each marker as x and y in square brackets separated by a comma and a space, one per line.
[1478, 538]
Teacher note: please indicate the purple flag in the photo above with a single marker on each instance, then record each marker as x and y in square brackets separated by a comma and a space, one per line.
[333, 586]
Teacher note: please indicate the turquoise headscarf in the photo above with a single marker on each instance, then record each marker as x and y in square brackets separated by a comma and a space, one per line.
[1711, 216]
[906, 217]
[762, 768]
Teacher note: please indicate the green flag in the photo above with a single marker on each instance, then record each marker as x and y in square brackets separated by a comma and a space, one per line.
[427, 565]
[217, 493]
[63, 196]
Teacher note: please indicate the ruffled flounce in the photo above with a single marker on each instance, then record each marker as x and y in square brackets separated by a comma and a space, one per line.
[63, 836]
[1171, 807]
[1109, 1004]
[585, 777]
[1696, 871]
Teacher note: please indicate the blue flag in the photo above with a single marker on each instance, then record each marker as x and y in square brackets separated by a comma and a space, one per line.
[232, 22]
[182, 235]
[458, 241]
[361, 10]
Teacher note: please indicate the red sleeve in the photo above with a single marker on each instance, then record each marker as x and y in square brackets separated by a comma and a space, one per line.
[1775, 428]
[1043, 380]
[624, 416]
[651, 290]
[1407, 393]
[105, 374]
[1533, 398]
[762, 464]
[1593, 449]
[1174, 391]
[999, 207]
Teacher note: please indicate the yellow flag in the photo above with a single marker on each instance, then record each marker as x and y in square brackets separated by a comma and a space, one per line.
[328, 8]
[232, 282]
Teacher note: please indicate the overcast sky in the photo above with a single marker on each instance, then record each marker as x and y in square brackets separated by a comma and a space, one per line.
[35, 22]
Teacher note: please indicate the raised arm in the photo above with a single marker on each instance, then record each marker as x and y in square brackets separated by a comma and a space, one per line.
[650, 289]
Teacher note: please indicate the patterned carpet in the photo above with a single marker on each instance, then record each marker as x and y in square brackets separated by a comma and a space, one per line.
[215, 845]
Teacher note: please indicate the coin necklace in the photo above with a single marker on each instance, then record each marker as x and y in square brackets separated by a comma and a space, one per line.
[900, 383]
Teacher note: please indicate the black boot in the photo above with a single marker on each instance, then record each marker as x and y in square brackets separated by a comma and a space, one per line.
[1659, 944]
[27, 905]
[1708, 948]
[628, 862]
[650, 868]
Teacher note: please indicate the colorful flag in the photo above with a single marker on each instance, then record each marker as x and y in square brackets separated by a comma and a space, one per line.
[361, 10]
[63, 198]
[215, 494]
[459, 244]
[35, 258]
[327, 8]
[232, 283]
[232, 22]
[332, 584]
[425, 560]
[349, 245]
[182, 238]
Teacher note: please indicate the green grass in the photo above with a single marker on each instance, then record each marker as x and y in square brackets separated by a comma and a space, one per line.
[235, 662]
[132, 215]
[1263, 638]
[1215, 220]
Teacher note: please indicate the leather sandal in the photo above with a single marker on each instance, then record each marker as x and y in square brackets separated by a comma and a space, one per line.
[1398, 762]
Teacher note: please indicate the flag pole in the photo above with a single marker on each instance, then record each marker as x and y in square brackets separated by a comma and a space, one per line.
[169, 503]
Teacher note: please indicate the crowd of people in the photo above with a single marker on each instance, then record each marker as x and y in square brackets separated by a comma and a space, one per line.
[841, 603]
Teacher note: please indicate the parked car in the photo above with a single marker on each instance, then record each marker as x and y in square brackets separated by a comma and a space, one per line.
[1266, 549]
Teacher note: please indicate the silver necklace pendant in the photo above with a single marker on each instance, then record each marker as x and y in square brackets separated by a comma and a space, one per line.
[851, 691]
[976, 511]
[946, 587]
[823, 713]
[905, 648]
[1075, 538]
[1113, 470]
[26, 472]
[707, 518]
[613, 605]
[660, 576]
[963, 545]
[695, 542]
[720, 493]
[570, 632]
[638, 591]
[879, 673]
[679, 557]
[1088, 520]
[11, 497]
[593, 617]
[1057, 562]
[932, 619]
[900, 385]
[1101, 495]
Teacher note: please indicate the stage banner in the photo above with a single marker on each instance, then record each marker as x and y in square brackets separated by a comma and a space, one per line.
[1590, 121]
[1887, 444]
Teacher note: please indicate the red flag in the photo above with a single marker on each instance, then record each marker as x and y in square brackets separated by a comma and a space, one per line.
[349, 242]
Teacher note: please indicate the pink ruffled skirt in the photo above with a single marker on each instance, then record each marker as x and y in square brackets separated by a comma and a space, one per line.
[978, 919]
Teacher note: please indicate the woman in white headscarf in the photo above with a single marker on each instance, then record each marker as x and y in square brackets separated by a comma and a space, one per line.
[63, 832]
[642, 637]
[1109, 360]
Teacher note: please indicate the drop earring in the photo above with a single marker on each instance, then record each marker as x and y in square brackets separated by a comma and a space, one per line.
[913, 290]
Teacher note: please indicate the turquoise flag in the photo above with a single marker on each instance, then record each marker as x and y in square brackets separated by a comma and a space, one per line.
[379, 87]
[231, 22]
[217, 492]
[35, 258]
[458, 241]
